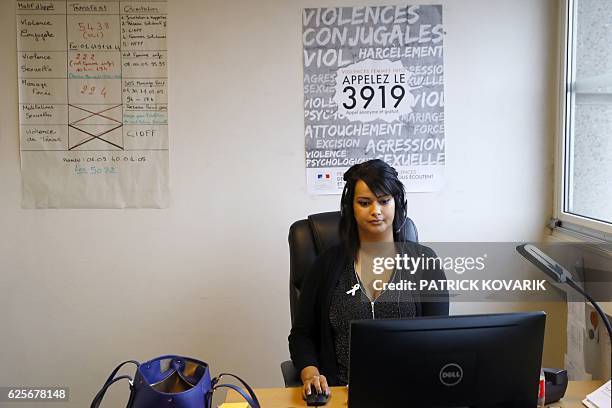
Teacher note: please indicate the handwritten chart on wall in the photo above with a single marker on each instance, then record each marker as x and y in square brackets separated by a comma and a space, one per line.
[93, 103]
[374, 88]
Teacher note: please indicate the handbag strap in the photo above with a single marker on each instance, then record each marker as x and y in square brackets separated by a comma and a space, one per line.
[251, 398]
[95, 403]
[116, 370]
[100, 395]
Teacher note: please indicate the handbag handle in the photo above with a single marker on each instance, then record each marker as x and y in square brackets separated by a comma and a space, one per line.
[95, 403]
[251, 398]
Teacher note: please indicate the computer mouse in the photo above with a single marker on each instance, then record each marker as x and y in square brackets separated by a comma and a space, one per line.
[315, 399]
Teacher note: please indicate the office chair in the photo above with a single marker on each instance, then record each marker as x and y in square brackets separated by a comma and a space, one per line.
[307, 239]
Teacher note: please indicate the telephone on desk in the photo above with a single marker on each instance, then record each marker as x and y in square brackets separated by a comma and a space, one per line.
[556, 384]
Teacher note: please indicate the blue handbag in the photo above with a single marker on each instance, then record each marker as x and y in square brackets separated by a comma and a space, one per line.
[172, 382]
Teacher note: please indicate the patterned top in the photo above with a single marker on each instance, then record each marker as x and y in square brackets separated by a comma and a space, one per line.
[346, 307]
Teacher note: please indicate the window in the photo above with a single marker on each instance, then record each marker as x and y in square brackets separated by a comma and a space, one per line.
[584, 160]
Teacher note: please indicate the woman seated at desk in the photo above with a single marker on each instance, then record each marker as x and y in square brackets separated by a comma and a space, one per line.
[337, 290]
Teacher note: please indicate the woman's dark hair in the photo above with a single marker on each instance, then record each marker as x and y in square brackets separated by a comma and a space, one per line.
[381, 180]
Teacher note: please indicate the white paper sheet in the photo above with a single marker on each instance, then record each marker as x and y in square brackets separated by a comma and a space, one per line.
[600, 398]
[576, 327]
[93, 104]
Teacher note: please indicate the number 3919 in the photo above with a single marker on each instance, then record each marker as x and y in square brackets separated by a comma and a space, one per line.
[367, 94]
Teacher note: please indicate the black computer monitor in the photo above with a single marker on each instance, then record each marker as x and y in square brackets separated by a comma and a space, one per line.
[457, 361]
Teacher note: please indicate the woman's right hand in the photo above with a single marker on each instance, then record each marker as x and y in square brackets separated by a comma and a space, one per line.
[313, 381]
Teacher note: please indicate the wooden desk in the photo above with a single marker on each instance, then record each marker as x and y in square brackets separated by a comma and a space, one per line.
[291, 397]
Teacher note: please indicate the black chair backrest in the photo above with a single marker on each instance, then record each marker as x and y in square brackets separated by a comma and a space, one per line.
[310, 237]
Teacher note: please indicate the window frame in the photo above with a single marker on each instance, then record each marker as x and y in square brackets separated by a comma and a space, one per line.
[582, 225]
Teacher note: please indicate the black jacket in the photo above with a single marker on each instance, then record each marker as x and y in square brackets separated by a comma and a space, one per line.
[311, 340]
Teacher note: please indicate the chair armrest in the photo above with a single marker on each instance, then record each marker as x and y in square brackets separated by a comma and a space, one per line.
[290, 374]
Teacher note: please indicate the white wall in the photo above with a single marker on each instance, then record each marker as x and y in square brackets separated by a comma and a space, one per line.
[81, 290]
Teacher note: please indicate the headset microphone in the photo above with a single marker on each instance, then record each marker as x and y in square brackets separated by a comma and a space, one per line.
[401, 226]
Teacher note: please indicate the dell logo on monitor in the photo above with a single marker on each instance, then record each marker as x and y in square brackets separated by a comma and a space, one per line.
[451, 374]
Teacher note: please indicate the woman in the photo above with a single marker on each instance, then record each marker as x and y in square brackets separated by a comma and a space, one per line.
[338, 289]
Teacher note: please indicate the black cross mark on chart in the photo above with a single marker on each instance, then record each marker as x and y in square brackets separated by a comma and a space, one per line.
[98, 136]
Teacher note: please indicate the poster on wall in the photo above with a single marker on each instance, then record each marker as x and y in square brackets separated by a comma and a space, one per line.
[93, 106]
[374, 88]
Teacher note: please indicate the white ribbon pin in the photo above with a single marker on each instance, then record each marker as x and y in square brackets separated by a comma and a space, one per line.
[354, 289]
